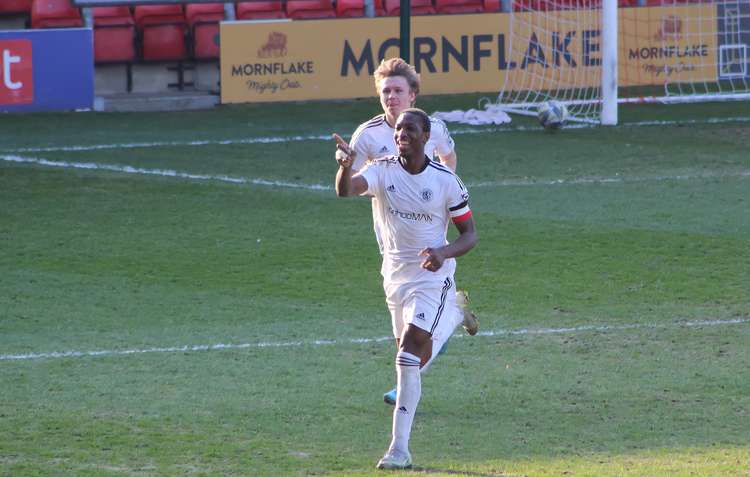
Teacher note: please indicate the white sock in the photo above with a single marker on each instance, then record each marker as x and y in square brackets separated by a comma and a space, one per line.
[408, 391]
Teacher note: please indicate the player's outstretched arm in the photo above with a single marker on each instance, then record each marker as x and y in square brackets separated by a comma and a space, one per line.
[466, 240]
[346, 184]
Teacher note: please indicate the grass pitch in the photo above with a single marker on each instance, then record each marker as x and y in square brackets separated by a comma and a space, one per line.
[228, 317]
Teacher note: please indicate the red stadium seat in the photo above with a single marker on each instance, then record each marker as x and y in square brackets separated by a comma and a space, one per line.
[301, 9]
[529, 5]
[114, 35]
[55, 14]
[203, 20]
[660, 3]
[356, 8]
[15, 7]
[571, 4]
[491, 6]
[544, 5]
[162, 29]
[418, 7]
[578, 4]
[260, 10]
[459, 6]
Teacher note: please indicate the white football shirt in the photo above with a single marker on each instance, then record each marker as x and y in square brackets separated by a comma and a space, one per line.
[374, 139]
[412, 212]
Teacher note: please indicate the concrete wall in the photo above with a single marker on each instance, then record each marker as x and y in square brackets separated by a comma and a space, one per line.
[157, 78]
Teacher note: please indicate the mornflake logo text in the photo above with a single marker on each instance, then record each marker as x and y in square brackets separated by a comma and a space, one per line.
[16, 72]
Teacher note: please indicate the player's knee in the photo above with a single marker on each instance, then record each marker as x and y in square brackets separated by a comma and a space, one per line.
[418, 342]
[415, 337]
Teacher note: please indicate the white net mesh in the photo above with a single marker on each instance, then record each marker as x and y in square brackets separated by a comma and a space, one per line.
[554, 51]
[690, 51]
[668, 51]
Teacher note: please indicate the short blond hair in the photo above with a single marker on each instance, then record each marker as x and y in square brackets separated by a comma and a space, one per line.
[397, 67]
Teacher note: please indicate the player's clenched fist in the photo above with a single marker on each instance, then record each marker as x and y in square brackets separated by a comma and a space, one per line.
[344, 154]
[434, 259]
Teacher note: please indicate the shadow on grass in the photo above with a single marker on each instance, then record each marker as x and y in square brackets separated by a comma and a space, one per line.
[433, 470]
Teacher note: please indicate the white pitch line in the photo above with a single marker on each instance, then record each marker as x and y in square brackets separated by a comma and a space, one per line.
[327, 137]
[330, 342]
[161, 172]
[320, 187]
[608, 180]
[206, 142]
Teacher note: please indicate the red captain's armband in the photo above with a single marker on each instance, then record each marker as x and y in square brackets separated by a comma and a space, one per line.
[460, 218]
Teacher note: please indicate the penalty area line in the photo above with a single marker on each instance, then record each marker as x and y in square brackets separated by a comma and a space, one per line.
[197, 143]
[329, 342]
[162, 173]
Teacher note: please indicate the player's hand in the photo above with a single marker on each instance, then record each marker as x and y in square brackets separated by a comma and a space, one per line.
[344, 154]
[433, 259]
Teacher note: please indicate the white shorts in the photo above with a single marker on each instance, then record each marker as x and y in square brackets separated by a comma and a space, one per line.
[430, 306]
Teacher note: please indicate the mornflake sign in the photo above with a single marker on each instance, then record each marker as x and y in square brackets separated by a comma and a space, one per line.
[293, 61]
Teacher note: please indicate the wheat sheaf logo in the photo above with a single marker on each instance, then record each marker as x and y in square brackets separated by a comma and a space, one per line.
[670, 28]
[274, 47]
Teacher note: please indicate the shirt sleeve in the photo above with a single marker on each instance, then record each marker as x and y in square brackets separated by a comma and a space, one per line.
[444, 144]
[362, 154]
[361, 144]
[371, 173]
[458, 200]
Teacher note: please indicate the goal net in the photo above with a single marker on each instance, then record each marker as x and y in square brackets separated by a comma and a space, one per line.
[592, 56]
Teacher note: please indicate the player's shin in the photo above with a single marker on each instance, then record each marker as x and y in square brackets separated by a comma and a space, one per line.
[437, 344]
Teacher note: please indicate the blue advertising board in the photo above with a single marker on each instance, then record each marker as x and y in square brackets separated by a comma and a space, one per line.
[46, 70]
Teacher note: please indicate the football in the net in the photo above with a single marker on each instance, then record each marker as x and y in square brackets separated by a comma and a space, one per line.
[552, 114]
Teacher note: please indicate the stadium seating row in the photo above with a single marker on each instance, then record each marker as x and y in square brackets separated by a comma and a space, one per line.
[178, 32]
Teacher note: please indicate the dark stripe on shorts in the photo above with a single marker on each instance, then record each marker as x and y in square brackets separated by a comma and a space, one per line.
[446, 287]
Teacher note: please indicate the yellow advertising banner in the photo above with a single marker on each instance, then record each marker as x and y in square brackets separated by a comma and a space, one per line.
[300, 60]
[334, 59]
[668, 44]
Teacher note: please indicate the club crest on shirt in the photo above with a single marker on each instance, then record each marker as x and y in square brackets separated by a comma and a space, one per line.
[426, 195]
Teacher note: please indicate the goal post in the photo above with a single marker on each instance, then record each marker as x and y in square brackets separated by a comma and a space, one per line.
[595, 54]
[609, 63]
